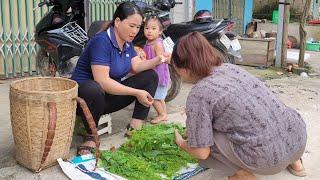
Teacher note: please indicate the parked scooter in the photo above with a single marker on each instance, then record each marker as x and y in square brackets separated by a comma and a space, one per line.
[60, 37]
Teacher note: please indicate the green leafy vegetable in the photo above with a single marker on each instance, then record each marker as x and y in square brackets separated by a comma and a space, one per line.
[150, 153]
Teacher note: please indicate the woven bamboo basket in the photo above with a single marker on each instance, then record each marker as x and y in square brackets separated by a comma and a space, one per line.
[43, 112]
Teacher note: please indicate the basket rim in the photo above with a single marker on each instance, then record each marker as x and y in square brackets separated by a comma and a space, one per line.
[12, 85]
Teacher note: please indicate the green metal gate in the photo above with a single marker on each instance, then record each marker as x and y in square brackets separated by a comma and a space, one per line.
[17, 46]
[230, 9]
[102, 9]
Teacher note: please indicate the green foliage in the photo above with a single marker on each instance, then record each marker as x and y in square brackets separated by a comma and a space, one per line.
[147, 154]
[127, 165]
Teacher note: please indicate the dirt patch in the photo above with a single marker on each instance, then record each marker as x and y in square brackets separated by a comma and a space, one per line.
[269, 73]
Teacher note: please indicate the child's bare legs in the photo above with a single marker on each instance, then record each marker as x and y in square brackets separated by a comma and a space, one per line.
[160, 107]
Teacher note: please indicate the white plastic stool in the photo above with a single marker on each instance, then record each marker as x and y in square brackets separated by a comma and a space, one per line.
[105, 124]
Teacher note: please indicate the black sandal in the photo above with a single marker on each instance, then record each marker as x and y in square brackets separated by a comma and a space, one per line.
[129, 131]
[86, 148]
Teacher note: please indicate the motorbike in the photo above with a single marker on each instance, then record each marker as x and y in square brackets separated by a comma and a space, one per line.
[61, 37]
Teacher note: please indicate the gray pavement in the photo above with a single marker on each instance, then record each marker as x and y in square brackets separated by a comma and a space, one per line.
[303, 94]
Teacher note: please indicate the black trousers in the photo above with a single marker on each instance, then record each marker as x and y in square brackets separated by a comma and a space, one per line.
[100, 102]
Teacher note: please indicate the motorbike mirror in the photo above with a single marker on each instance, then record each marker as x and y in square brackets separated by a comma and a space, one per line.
[40, 5]
[142, 5]
[165, 5]
[45, 2]
[173, 4]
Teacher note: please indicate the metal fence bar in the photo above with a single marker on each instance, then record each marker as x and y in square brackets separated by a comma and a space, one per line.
[20, 36]
[90, 12]
[96, 10]
[13, 49]
[105, 9]
[101, 10]
[111, 10]
[4, 38]
[28, 8]
[35, 19]
[41, 13]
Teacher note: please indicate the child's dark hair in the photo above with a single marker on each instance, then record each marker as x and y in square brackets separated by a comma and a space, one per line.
[154, 17]
[122, 12]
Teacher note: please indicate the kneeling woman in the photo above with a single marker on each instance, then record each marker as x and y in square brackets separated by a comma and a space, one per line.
[234, 122]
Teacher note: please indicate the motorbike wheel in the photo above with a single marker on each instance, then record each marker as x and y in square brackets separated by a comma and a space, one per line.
[175, 84]
[66, 69]
[43, 63]
[228, 58]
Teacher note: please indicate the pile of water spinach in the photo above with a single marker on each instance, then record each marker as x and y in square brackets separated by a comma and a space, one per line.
[151, 153]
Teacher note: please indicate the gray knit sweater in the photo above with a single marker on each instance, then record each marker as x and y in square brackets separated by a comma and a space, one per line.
[262, 129]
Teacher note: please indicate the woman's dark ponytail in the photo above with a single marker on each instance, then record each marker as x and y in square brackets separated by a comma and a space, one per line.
[106, 25]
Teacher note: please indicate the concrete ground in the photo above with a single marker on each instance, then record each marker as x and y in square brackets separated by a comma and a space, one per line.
[303, 94]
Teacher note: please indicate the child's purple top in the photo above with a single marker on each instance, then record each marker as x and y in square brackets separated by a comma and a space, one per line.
[162, 69]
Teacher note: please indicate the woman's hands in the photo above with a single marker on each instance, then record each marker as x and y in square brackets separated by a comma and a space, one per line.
[179, 140]
[142, 56]
[139, 64]
[140, 53]
[199, 153]
[144, 98]
[165, 57]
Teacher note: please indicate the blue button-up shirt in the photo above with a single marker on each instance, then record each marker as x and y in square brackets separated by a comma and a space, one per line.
[103, 50]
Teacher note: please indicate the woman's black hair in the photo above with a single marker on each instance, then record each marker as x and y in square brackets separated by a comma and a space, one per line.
[122, 12]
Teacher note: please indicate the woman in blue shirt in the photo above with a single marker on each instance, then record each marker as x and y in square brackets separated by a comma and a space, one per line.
[108, 57]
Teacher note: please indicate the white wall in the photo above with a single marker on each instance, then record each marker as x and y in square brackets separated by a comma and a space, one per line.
[182, 12]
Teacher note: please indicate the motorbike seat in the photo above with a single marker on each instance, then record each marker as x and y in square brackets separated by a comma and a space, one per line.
[180, 29]
[57, 20]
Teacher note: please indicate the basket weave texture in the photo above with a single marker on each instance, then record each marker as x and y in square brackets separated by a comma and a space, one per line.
[29, 99]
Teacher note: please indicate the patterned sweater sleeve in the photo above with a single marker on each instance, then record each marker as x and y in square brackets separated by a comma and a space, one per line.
[199, 119]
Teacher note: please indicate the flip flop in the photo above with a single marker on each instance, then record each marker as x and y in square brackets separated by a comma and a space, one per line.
[300, 173]
[85, 147]
[129, 131]
[157, 121]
